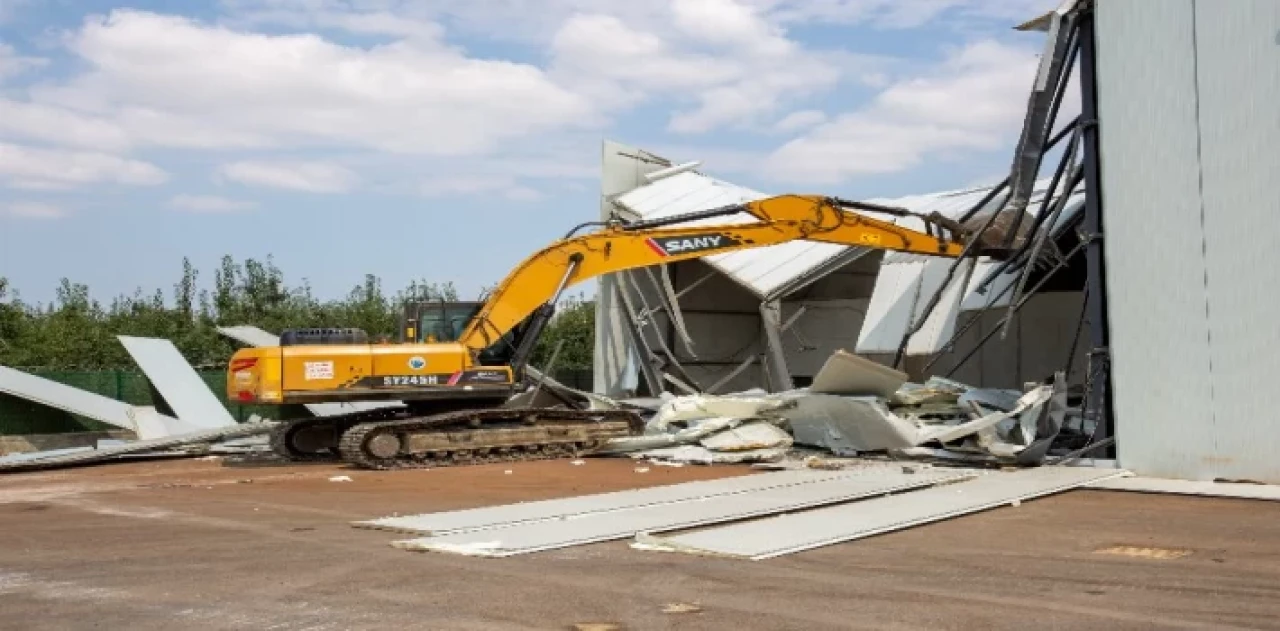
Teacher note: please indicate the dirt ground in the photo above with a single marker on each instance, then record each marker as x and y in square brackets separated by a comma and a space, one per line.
[204, 545]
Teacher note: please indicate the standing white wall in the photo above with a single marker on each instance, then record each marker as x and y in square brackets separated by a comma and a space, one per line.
[1189, 130]
[622, 169]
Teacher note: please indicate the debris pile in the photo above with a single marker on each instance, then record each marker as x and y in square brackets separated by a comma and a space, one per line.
[856, 407]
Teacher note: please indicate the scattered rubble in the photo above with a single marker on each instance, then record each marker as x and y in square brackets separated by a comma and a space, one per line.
[853, 407]
[856, 407]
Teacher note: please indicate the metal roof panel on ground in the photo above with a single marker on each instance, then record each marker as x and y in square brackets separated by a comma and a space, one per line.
[776, 536]
[620, 524]
[86, 404]
[508, 515]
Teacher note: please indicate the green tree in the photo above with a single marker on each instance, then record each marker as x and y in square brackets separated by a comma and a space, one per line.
[575, 324]
[77, 332]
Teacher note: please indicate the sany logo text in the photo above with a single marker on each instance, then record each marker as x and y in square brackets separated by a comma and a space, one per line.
[667, 246]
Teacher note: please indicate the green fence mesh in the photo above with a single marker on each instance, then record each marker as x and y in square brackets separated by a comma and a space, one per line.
[19, 416]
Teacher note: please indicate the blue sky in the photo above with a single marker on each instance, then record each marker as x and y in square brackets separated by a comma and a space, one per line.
[446, 140]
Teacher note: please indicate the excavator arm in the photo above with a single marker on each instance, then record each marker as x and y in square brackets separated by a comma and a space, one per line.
[535, 285]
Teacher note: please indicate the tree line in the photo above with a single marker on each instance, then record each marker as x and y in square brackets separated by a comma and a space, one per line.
[78, 332]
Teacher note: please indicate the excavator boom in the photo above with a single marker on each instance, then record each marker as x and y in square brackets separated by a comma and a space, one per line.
[541, 277]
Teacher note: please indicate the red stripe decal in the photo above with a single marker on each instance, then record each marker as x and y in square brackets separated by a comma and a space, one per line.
[655, 247]
[241, 364]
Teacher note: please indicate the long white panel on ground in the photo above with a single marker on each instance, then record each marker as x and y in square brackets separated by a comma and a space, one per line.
[179, 384]
[766, 538]
[69, 399]
[570, 507]
[1191, 487]
[596, 527]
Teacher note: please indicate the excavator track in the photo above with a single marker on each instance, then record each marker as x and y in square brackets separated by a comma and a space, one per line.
[317, 439]
[484, 436]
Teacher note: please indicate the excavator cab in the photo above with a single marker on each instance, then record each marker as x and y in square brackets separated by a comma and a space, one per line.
[440, 321]
[435, 321]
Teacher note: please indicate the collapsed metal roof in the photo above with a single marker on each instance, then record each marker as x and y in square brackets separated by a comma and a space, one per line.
[771, 270]
[763, 271]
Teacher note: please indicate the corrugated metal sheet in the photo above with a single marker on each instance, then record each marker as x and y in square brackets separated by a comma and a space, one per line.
[488, 517]
[66, 398]
[250, 335]
[616, 363]
[1238, 46]
[760, 270]
[768, 269]
[1154, 245]
[620, 524]
[1138, 484]
[907, 281]
[767, 538]
[177, 382]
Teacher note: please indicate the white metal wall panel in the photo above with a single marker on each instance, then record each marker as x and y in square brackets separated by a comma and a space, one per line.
[1154, 237]
[627, 522]
[806, 530]
[1238, 46]
[622, 169]
[67, 398]
[179, 384]
[825, 325]
[559, 509]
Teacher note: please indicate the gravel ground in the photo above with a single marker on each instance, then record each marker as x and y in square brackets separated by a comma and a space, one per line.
[207, 545]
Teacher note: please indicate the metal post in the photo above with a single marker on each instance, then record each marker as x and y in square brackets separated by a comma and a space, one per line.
[775, 356]
[648, 369]
[1099, 401]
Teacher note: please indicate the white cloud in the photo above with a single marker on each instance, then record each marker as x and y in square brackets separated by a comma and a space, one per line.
[496, 186]
[38, 168]
[13, 64]
[603, 56]
[308, 177]
[538, 21]
[35, 210]
[974, 101]
[209, 204]
[172, 81]
[162, 81]
[802, 119]
[902, 14]
[60, 126]
[721, 55]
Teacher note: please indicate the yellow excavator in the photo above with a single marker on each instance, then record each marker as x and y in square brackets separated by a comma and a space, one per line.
[456, 364]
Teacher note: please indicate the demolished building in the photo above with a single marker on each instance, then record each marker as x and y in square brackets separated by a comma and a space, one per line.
[1154, 311]
[769, 317]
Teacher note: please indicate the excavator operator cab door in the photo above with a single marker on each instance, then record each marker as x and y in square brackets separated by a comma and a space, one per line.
[430, 322]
